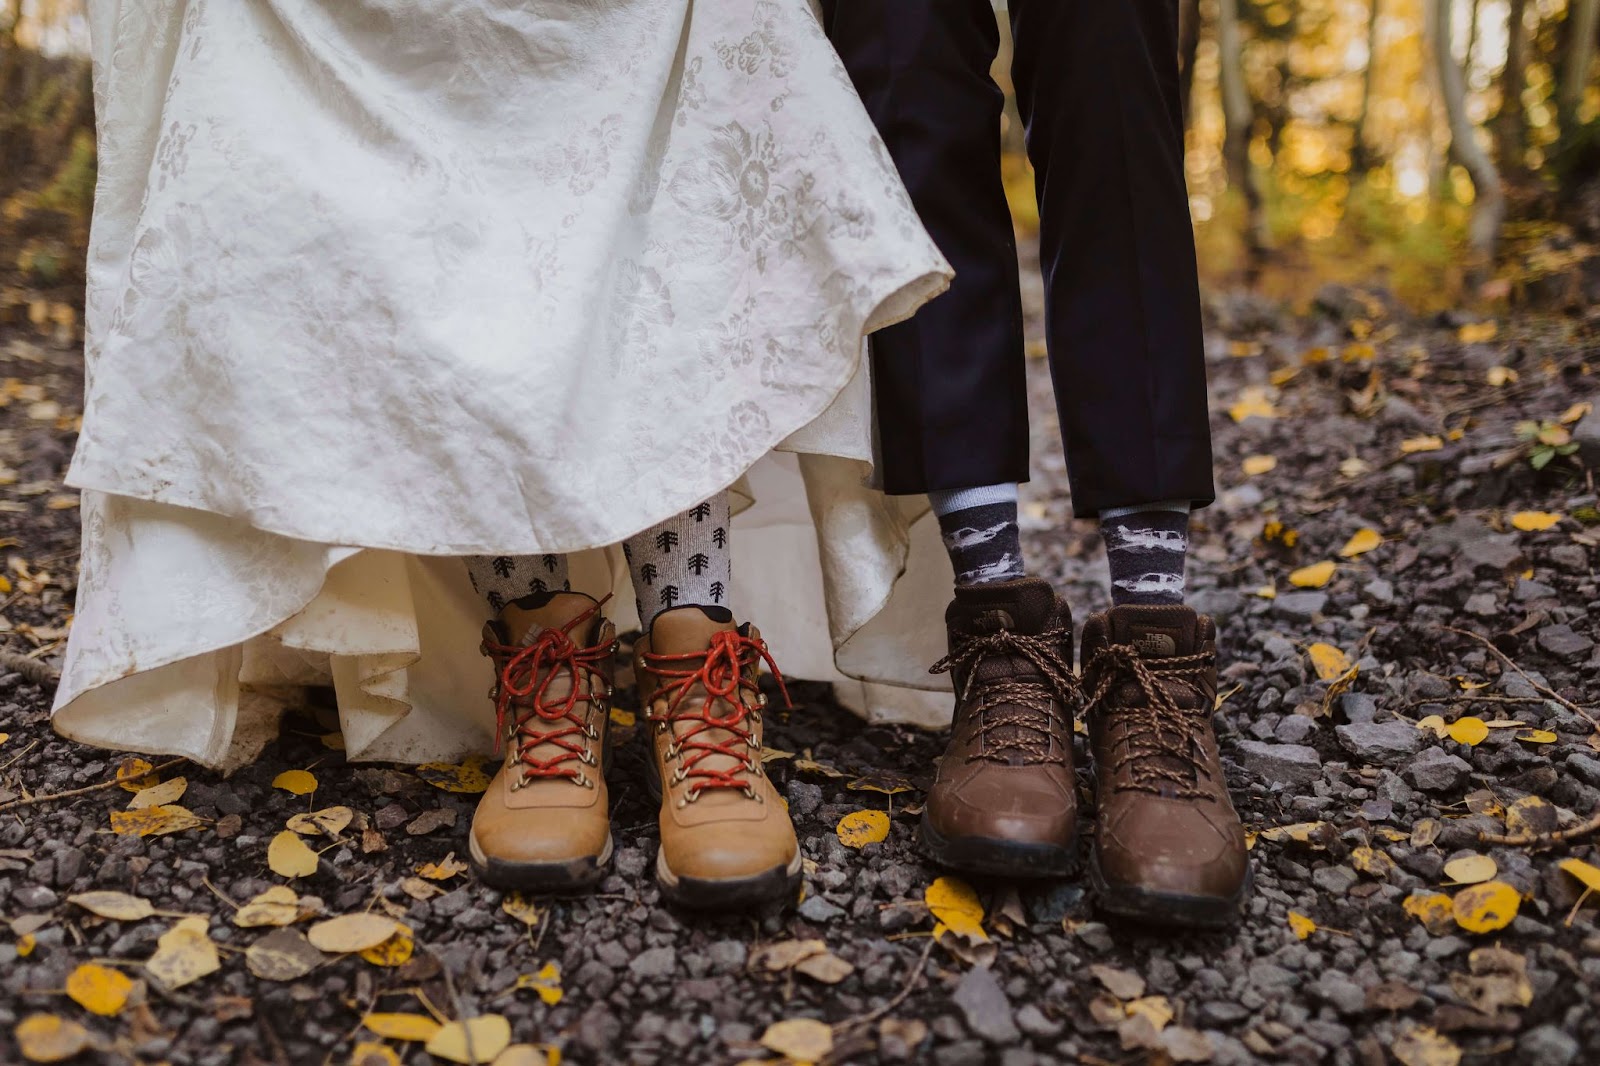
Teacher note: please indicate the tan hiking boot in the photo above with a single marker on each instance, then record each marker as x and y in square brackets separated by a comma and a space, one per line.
[1168, 846]
[544, 824]
[1004, 801]
[726, 839]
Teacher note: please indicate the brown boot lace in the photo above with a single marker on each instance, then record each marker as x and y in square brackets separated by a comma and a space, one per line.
[526, 715]
[1029, 704]
[1165, 755]
[721, 672]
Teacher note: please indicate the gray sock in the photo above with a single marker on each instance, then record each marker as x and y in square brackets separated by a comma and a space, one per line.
[979, 527]
[685, 560]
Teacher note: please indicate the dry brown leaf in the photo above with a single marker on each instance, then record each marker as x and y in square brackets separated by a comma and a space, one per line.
[467, 777]
[1120, 983]
[282, 955]
[1425, 1046]
[801, 1039]
[169, 791]
[184, 954]
[278, 905]
[330, 821]
[352, 932]
[116, 905]
[1471, 869]
[827, 968]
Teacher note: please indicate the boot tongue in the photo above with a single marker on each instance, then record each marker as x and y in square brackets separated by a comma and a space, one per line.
[523, 619]
[1026, 605]
[1159, 631]
[688, 631]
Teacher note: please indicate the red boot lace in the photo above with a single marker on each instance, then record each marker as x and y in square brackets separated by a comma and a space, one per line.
[720, 671]
[525, 680]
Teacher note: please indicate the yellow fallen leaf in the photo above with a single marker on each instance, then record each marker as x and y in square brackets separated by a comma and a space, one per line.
[955, 905]
[352, 932]
[1588, 874]
[1425, 1046]
[296, 782]
[1358, 353]
[1530, 814]
[1432, 909]
[444, 869]
[134, 774]
[1314, 576]
[529, 1055]
[116, 905]
[49, 1038]
[1361, 542]
[99, 989]
[278, 905]
[465, 777]
[521, 907]
[395, 951]
[547, 982]
[288, 855]
[332, 741]
[1537, 736]
[25, 945]
[1303, 927]
[169, 791]
[1499, 376]
[1329, 662]
[1313, 356]
[1299, 832]
[1575, 413]
[367, 1053]
[154, 821]
[1471, 869]
[475, 1040]
[800, 1039]
[1259, 464]
[1267, 592]
[1371, 861]
[1534, 521]
[860, 828]
[1412, 445]
[1434, 724]
[623, 719]
[1244, 349]
[1478, 332]
[184, 954]
[330, 821]
[412, 1028]
[1486, 907]
[1154, 1009]
[1254, 401]
[1468, 730]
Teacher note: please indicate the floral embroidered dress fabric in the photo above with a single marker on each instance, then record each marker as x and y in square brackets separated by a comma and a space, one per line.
[380, 281]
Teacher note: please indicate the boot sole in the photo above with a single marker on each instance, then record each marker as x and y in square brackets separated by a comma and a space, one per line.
[545, 878]
[994, 857]
[1167, 908]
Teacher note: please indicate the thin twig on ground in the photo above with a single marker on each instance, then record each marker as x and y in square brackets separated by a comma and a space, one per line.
[46, 797]
[900, 997]
[1554, 836]
[1546, 689]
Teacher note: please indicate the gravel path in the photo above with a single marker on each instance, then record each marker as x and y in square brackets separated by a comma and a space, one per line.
[1350, 952]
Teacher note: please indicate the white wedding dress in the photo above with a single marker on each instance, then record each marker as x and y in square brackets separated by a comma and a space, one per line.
[378, 283]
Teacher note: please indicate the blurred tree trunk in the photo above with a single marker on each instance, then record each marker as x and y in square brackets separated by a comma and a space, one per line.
[1489, 205]
[1360, 154]
[1583, 19]
[1237, 117]
[1188, 45]
[1510, 133]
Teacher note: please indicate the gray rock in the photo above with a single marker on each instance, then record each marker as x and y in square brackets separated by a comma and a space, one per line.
[1571, 558]
[1379, 590]
[1343, 994]
[727, 956]
[1585, 768]
[1301, 606]
[1547, 1046]
[34, 897]
[1529, 589]
[1294, 764]
[1564, 643]
[984, 1005]
[818, 909]
[1034, 1022]
[1220, 604]
[1482, 604]
[1358, 708]
[1436, 771]
[1586, 434]
[69, 866]
[1380, 742]
[1335, 880]
[654, 964]
[1295, 729]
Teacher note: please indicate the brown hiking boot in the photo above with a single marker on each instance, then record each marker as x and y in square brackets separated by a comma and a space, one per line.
[1004, 801]
[1168, 846]
[544, 824]
[726, 839]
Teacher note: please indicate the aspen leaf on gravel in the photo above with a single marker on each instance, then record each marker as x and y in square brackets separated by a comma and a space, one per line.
[282, 955]
[288, 855]
[1471, 870]
[775, 958]
[1371, 861]
[367, 1053]
[135, 774]
[1536, 736]
[444, 869]
[1434, 724]
[184, 954]
[475, 1040]
[956, 907]
[1154, 1009]
[1120, 983]
[49, 1038]
[860, 828]
[99, 989]
[115, 905]
[278, 905]
[1413, 445]
[1468, 730]
[1434, 910]
[522, 908]
[1302, 926]
[330, 821]
[169, 791]
[1486, 907]
[25, 945]
[352, 932]
[1534, 521]
[1361, 542]
[547, 982]
[825, 967]
[464, 777]
[395, 951]
[1530, 814]
[801, 1039]
[154, 821]
[1585, 872]
[1254, 465]
[1328, 661]
[410, 1028]
[296, 782]
[529, 1055]
[1425, 1046]
[1314, 576]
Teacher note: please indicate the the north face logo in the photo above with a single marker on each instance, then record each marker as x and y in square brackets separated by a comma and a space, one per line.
[1156, 645]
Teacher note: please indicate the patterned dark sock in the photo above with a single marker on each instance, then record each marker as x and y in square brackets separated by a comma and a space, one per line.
[503, 578]
[979, 527]
[1147, 547]
[685, 560]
